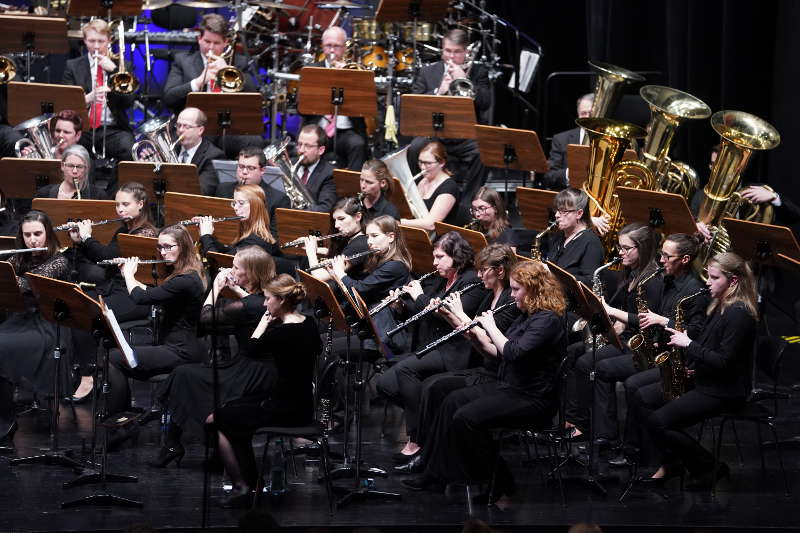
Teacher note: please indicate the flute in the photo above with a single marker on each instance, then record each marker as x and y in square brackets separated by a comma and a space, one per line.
[323, 264]
[74, 224]
[459, 330]
[389, 300]
[429, 310]
[22, 251]
[191, 222]
[121, 260]
[298, 242]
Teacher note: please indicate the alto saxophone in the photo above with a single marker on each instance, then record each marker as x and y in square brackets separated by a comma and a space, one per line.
[643, 343]
[536, 249]
[597, 288]
[672, 363]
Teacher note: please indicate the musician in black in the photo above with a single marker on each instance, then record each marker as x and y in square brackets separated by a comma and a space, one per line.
[437, 188]
[75, 178]
[575, 247]
[315, 173]
[719, 358]
[462, 447]
[402, 383]
[347, 218]
[489, 216]
[377, 189]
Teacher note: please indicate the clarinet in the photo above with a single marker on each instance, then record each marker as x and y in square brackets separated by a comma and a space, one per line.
[121, 260]
[323, 264]
[389, 300]
[429, 310]
[459, 330]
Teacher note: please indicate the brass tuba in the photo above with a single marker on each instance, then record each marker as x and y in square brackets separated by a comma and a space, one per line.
[298, 194]
[741, 133]
[669, 108]
[610, 80]
[8, 69]
[155, 143]
[397, 163]
[38, 134]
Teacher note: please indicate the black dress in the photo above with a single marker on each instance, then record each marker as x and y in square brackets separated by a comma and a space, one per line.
[448, 186]
[181, 299]
[188, 392]
[288, 352]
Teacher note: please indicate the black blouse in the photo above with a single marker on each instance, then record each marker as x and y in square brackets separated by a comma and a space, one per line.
[580, 257]
[694, 311]
[91, 192]
[243, 315]
[382, 207]
[354, 246]
[503, 319]
[448, 186]
[181, 299]
[626, 300]
[209, 243]
[529, 361]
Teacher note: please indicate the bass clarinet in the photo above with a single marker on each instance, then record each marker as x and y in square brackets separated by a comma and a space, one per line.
[429, 310]
[459, 330]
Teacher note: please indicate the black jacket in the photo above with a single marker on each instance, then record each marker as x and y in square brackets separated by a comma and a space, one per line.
[78, 72]
[206, 173]
[430, 77]
[556, 178]
[321, 186]
[92, 192]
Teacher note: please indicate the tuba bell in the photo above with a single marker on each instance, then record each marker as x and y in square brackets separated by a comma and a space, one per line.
[37, 130]
[298, 194]
[8, 69]
[610, 80]
[155, 144]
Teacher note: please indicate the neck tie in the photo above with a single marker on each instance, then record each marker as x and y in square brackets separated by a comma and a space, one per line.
[305, 176]
[184, 157]
[97, 107]
[331, 127]
[212, 86]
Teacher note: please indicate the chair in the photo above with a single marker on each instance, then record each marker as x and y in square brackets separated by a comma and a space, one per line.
[316, 431]
[761, 407]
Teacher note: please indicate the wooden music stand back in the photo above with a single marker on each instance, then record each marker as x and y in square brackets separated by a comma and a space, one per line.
[170, 177]
[294, 223]
[28, 100]
[93, 8]
[420, 249]
[235, 113]
[82, 309]
[8, 242]
[663, 211]
[319, 290]
[569, 284]
[63, 211]
[10, 296]
[476, 239]
[536, 207]
[511, 148]
[762, 243]
[392, 10]
[446, 117]
[578, 163]
[319, 86]
[179, 206]
[143, 248]
[43, 35]
[348, 182]
[21, 177]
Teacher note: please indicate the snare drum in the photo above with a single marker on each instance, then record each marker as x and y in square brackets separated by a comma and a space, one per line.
[423, 34]
[366, 30]
[374, 57]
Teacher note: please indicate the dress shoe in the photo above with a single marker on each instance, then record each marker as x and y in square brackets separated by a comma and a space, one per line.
[78, 399]
[402, 458]
[671, 471]
[620, 461]
[414, 466]
[238, 499]
[605, 443]
[166, 455]
[707, 480]
[423, 482]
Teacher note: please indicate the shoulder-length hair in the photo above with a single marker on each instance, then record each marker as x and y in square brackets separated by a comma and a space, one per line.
[258, 221]
[258, 265]
[498, 255]
[542, 290]
[570, 199]
[500, 221]
[79, 151]
[744, 290]
[22, 262]
[352, 206]
[138, 191]
[454, 245]
[397, 250]
[381, 171]
[644, 238]
[188, 259]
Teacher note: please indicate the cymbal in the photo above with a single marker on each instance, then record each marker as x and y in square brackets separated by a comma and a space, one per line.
[155, 4]
[338, 4]
[274, 5]
[203, 4]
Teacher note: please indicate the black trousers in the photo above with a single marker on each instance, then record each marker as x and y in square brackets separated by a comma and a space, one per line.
[636, 434]
[351, 149]
[604, 401]
[8, 138]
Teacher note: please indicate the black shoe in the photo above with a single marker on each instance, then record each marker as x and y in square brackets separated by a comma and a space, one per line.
[7, 438]
[423, 482]
[620, 461]
[707, 480]
[117, 437]
[238, 499]
[414, 466]
[400, 458]
[671, 471]
[605, 443]
[166, 455]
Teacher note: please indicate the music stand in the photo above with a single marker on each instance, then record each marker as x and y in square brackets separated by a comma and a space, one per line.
[158, 178]
[143, 248]
[63, 211]
[393, 10]
[787, 262]
[93, 8]
[336, 91]
[420, 249]
[237, 113]
[7, 242]
[348, 182]
[508, 149]
[294, 223]
[445, 117]
[578, 163]
[536, 207]
[179, 206]
[27, 100]
[21, 177]
[62, 304]
[30, 33]
[762, 243]
[476, 239]
[663, 211]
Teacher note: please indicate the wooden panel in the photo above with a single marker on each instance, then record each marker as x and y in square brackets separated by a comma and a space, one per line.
[62, 211]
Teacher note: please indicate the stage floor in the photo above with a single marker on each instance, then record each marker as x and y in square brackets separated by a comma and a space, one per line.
[30, 495]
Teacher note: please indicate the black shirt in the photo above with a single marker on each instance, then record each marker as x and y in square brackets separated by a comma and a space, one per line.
[382, 207]
[530, 358]
[580, 257]
[626, 300]
[209, 243]
[448, 186]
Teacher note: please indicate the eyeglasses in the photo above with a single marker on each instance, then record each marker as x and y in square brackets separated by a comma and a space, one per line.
[422, 163]
[182, 126]
[565, 211]
[70, 166]
[667, 256]
[302, 146]
[480, 209]
[247, 168]
[240, 203]
[625, 249]
[165, 247]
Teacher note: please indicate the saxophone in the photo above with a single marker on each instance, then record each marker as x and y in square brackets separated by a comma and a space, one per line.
[643, 343]
[672, 363]
[597, 288]
[536, 249]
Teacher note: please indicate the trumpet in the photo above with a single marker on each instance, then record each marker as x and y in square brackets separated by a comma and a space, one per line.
[389, 300]
[459, 330]
[323, 264]
[121, 260]
[73, 224]
[22, 251]
[429, 310]
[190, 222]
[299, 242]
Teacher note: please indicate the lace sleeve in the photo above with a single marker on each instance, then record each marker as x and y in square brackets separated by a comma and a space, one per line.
[56, 267]
[229, 312]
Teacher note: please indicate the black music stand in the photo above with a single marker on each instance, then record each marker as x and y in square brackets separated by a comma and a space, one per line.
[237, 113]
[26, 100]
[10, 301]
[159, 178]
[444, 117]
[508, 149]
[663, 211]
[62, 304]
[335, 91]
[30, 34]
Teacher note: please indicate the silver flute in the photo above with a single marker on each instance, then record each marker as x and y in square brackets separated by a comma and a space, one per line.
[121, 260]
[74, 224]
[191, 222]
[298, 242]
[323, 264]
[22, 251]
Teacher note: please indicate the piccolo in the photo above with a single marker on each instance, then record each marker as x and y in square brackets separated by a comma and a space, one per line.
[22, 251]
[323, 264]
[459, 330]
[299, 242]
[429, 310]
[121, 260]
[74, 224]
[389, 300]
[191, 222]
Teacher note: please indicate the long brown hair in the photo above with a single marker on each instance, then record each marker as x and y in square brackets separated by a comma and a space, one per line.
[646, 243]
[258, 265]
[258, 221]
[188, 260]
[543, 292]
[744, 290]
[22, 262]
[500, 221]
[397, 251]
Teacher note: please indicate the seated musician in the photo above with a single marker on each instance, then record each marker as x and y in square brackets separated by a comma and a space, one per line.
[108, 110]
[575, 247]
[315, 173]
[250, 170]
[194, 148]
[494, 265]
[197, 72]
[66, 128]
[75, 183]
[132, 203]
[351, 132]
[462, 448]
[377, 188]
[718, 358]
[436, 79]
[402, 383]
[490, 218]
[438, 189]
[347, 218]
[188, 392]
[557, 177]
[27, 340]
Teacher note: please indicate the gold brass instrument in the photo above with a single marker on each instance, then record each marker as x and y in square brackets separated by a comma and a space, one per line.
[121, 82]
[464, 86]
[38, 134]
[397, 163]
[681, 179]
[643, 343]
[743, 209]
[8, 69]
[669, 108]
[474, 225]
[740, 135]
[298, 194]
[607, 90]
[155, 143]
[672, 363]
[597, 288]
[229, 78]
[536, 249]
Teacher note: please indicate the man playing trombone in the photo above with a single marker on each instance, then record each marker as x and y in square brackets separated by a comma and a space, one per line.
[108, 119]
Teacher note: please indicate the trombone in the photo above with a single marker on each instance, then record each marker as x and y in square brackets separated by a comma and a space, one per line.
[8, 69]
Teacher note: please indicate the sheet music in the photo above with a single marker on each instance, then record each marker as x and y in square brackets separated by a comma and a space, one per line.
[119, 337]
[528, 61]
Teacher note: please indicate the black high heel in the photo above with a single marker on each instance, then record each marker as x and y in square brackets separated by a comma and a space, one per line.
[166, 455]
[671, 471]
